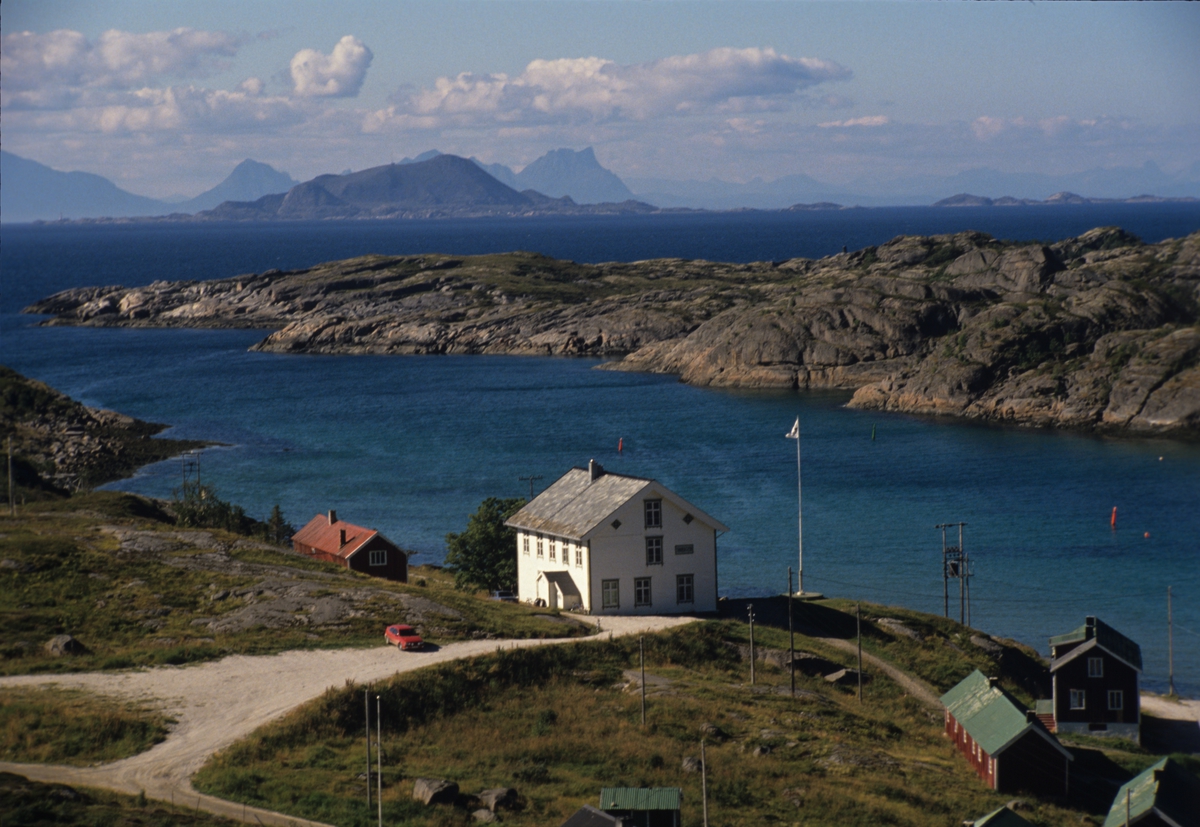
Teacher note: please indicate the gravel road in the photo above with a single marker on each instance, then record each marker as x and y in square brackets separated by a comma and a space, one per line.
[218, 703]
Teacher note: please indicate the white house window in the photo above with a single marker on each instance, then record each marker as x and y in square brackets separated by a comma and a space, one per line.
[525, 543]
[379, 557]
[641, 591]
[539, 546]
[1078, 699]
[685, 588]
[610, 593]
[1116, 699]
[653, 513]
[579, 554]
[686, 548]
[654, 551]
[553, 544]
[1095, 667]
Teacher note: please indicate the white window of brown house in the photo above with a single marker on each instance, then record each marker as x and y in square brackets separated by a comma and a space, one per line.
[379, 557]
[641, 591]
[654, 551]
[653, 513]
[610, 592]
[1095, 667]
[685, 588]
[539, 546]
[1078, 699]
[1116, 699]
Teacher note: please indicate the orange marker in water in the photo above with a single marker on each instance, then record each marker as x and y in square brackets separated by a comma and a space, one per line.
[1113, 521]
[620, 444]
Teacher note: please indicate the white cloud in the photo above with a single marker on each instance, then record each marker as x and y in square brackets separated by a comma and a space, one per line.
[54, 69]
[593, 88]
[339, 74]
[869, 120]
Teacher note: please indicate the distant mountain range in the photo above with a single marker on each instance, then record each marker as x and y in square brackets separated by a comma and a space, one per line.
[968, 200]
[438, 186]
[34, 192]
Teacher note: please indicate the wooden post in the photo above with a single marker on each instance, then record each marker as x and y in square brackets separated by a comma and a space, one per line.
[367, 706]
[791, 636]
[1170, 646]
[12, 495]
[750, 612]
[642, 658]
[379, 758]
[858, 620]
[704, 781]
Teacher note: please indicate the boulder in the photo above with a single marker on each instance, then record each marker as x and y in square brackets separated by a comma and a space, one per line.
[499, 797]
[484, 816]
[691, 764]
[60, 645]
[760, 751]
[987, 644]
[897, 627]
[712, 731]
[845, 676]
[435, 791]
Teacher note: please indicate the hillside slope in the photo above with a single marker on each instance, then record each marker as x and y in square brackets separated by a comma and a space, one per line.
[1096, 331]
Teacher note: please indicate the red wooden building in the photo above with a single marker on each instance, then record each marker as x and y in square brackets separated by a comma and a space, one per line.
[1095, 672]
[361, 549]
[1005, 743]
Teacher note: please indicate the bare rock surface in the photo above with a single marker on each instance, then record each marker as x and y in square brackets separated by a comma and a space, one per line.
[1099, 331]
[435, 791]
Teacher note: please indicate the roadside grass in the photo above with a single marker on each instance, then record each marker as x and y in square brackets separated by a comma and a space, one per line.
[558, 723]
[26, 803]
[63, 570]
[65, 726]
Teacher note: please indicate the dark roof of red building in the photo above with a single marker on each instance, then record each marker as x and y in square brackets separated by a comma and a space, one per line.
[324, 536]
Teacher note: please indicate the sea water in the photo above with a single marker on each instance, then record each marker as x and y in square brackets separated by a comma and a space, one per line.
[410, 445]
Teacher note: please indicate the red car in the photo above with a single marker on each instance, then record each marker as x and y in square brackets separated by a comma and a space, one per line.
[403, 637]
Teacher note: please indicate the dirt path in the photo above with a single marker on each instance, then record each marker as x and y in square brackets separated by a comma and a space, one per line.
[914, 686]
[218, 703]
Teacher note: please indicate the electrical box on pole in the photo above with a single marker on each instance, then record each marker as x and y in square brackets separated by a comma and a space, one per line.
[956, 565]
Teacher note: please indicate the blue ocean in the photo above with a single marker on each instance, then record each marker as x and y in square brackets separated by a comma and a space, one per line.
[412, 444]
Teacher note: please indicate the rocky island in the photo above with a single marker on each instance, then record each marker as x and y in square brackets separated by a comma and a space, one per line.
[1099, 332]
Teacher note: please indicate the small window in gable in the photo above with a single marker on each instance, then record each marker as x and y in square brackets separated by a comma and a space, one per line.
[1095, 667]
[379, 557]
[653, 513]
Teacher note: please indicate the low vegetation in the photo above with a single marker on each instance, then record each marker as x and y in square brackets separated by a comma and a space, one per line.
[72, 727]
[558, 723]
[26, 803]
[131, 588]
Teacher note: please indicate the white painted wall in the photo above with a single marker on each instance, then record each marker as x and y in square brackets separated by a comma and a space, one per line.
[530, 565]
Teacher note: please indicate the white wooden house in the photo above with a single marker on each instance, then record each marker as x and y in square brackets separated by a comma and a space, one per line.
[613, 544]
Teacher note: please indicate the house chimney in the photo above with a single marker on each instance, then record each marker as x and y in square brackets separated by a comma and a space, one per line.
[595, 470]
[332, 516]
[341, 538]
[992, 680]
[1090, 623]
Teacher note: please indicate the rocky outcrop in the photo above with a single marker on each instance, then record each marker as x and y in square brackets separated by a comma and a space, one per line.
[1099, 331]
[60, 444]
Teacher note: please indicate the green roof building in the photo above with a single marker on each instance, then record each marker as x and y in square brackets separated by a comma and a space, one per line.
[643, 806]
[1002, 817]
[1006, 745]
[1095, 671]
[1164, 795]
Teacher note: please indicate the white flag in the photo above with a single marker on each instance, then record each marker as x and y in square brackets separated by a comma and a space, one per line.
[795, 432]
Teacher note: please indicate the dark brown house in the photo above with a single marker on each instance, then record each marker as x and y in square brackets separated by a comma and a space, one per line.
[1004, 743]
[1095, 672]
[361, 549]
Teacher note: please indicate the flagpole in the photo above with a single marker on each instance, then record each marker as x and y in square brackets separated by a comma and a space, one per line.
[795, 434]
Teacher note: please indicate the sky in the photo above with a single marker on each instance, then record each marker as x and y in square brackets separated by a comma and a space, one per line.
[165, 98]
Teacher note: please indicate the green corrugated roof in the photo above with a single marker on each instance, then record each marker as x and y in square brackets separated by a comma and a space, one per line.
[1106, 636]
[640, 798]
[1003, 817]
[1164, 786]
[987, 713]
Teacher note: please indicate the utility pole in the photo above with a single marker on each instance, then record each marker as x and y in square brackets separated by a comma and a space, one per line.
[642, 657]
[750, 612]
[795, 434]
[956, 565]
[367, 705]
[1170, 647]
[379, 757]
[12, 498]
[704, 781]
[858, 621]
[531, 478]
[791, 636]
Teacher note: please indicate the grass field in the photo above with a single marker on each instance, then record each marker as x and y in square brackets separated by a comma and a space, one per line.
[560, 723]
[71, 727]
[113, 572]
[25, 803]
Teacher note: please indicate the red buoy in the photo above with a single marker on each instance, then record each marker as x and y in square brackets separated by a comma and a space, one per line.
[620, 444]
[1113, 521]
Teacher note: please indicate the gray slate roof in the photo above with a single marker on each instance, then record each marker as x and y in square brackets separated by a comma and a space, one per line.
[573, 505]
